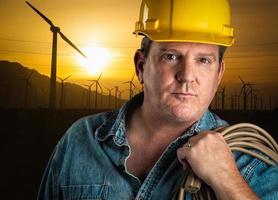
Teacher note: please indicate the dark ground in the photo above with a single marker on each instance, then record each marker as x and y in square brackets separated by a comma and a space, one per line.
[28, 137]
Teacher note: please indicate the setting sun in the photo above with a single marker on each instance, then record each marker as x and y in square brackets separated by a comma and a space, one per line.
[96, 61]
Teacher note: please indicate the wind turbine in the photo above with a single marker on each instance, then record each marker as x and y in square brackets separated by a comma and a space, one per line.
[101, 97]
[27, 83]
[121, 94]
[235, 101]
[55, 30]
[253, 101]
[120, 97]
[116, 96]
[244, 89]
[83, 103]
[262, 103]
[131, 86]
[272, 102]
[255, 95]
[89, 96]
[62, 90]
[232, 102]
[97, 86]
[109, 97]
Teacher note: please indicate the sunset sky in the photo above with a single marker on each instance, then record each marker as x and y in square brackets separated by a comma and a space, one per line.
[103, 30]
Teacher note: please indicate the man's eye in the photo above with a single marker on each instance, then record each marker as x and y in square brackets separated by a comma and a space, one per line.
[170, 56]
[205, 60]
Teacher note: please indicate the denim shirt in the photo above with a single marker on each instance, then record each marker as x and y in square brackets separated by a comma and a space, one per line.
[89, 162]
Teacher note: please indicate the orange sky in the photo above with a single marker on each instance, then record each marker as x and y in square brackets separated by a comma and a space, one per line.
[26, 38]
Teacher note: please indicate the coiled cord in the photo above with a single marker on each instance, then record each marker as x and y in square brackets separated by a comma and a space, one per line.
[243, 137]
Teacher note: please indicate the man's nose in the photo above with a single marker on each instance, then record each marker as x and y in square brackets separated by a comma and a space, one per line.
[186, 72]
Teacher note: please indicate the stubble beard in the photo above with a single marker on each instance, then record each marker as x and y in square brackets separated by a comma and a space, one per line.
[178, 111]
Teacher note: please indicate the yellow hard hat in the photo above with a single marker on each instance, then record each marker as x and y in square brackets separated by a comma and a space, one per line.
[202, 21]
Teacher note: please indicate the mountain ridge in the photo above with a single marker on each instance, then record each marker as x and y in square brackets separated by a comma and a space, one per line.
[14, 85]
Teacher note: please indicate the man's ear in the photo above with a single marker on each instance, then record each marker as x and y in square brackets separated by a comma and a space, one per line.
[221, 71]
[139, 61]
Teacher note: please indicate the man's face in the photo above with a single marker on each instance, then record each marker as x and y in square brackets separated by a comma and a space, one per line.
[180, 79]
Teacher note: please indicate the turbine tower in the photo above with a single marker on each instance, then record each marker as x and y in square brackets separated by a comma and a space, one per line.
[62, 91]
[121, 94]
[232, 102]
[97, 86]
[272, 102]
[252, 97]
[131, 86]
[255, 96]
[244, 89]
[109, 98]
[55, 30]
[27, 84]
[89, 94]
[235, 101]
[116, 96]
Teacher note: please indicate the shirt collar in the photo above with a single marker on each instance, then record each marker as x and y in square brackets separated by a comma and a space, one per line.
[207, 122]
[117, 123]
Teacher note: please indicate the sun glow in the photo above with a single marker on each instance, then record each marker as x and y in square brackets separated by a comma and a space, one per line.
[97, 59]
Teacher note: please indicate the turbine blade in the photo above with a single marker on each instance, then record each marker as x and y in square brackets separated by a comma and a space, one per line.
[59, 78]
[126, 82]
[241, 90]
[43, 16]
[92, 83]
[109, 89]
[100, 87]
[67, 77]
[133, 77]
[70, 43]
[99, 76]
[241, 80]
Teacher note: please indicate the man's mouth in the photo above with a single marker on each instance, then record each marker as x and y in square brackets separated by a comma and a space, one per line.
[184, 94]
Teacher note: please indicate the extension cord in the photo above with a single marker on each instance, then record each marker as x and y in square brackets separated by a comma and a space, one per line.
[243, 137]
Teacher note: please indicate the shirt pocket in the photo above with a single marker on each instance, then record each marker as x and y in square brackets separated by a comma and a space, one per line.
[85, 192]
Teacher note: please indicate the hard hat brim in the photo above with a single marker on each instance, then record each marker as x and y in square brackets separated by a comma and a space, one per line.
[204, 38]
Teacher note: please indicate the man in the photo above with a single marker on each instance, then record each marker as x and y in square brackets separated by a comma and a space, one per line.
[141, 150]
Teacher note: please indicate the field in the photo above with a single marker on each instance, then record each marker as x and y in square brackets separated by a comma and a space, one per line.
[28, 137]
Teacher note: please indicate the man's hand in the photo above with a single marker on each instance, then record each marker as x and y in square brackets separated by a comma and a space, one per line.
[211, 159]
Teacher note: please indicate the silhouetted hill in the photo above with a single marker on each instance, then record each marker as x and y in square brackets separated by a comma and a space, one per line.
[21, 87]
